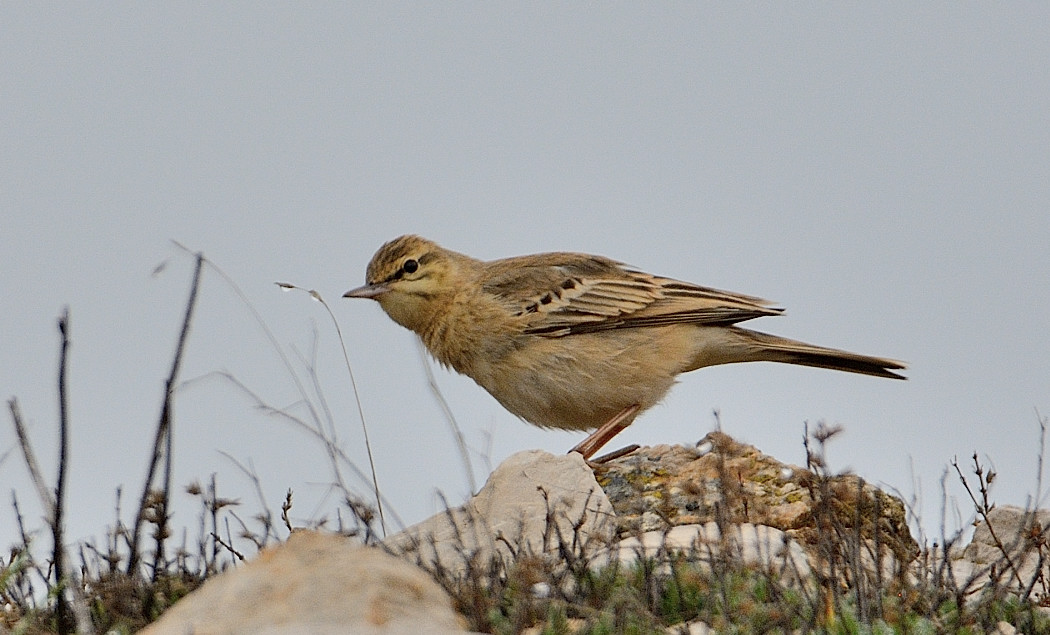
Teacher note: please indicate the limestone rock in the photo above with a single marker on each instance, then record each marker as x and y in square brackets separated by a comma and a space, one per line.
[532, 502]
[766, 547]
[694, 628]
[661, 486]
[314, 583]
[1004, 628]
[1019, 531]
[1012, 525]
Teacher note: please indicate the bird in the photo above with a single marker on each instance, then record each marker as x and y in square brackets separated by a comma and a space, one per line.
[577, 341]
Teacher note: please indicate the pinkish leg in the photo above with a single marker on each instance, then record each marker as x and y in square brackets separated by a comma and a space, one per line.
[604, 434]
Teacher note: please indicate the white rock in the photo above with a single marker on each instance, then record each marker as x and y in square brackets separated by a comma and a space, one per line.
[315, 583]
[693, 628]
[1004, 628]
[759, 545]
[510, 514]
[1012, 526]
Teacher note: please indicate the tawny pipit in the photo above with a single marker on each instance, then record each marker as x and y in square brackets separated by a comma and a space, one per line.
[568, 340]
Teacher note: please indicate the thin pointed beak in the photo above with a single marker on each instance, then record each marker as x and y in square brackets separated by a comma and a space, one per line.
[371, 291]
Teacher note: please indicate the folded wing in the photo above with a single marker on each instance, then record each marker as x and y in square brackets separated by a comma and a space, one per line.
[563, 294]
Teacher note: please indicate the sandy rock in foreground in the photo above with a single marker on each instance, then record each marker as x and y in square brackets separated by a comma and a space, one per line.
[315, 583]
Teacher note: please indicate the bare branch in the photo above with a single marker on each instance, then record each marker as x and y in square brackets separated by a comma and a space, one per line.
[64, 615]
[47, 500]
[164, 428]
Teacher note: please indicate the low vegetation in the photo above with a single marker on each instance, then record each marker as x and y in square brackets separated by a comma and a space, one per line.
[137, 571]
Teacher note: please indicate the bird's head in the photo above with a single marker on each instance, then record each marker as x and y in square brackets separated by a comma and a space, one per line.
[411, 277]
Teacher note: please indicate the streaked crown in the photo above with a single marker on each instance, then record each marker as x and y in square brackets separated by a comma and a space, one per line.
[388, 263]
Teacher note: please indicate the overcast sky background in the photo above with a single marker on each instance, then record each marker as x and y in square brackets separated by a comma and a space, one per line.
[882, 171]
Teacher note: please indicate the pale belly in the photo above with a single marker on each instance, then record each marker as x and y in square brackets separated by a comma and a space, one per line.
[579, 382]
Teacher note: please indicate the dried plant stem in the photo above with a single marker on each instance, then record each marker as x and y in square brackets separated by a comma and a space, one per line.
[334, 452]
[64, 617]
[162, 441]
[47, 500]
[984, 507]
[360, 410]
[330, 443]
[69, 616]
[457, 434]
[353, 386]
[1039, 464]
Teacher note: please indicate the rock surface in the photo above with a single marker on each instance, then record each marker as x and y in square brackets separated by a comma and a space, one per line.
[532, 502]
[1021, 533]
[315, 583]
[1014, 528]
[726, 481]
[759, 545]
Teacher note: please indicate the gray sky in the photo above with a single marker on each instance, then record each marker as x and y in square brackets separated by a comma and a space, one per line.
[882, 171]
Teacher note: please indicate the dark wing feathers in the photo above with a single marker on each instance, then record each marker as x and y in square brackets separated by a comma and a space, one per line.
[563, 294]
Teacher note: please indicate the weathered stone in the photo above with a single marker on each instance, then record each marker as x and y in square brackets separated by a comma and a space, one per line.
[1004, 628]
[1006, 546]
[726, 481]
[761, 546]
[530, 504]
[315, 583]
[693, 628]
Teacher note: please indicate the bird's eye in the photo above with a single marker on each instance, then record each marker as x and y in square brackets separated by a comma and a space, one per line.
[410, 266]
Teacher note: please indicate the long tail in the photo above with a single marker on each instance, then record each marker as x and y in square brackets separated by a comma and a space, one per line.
[772, 348]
